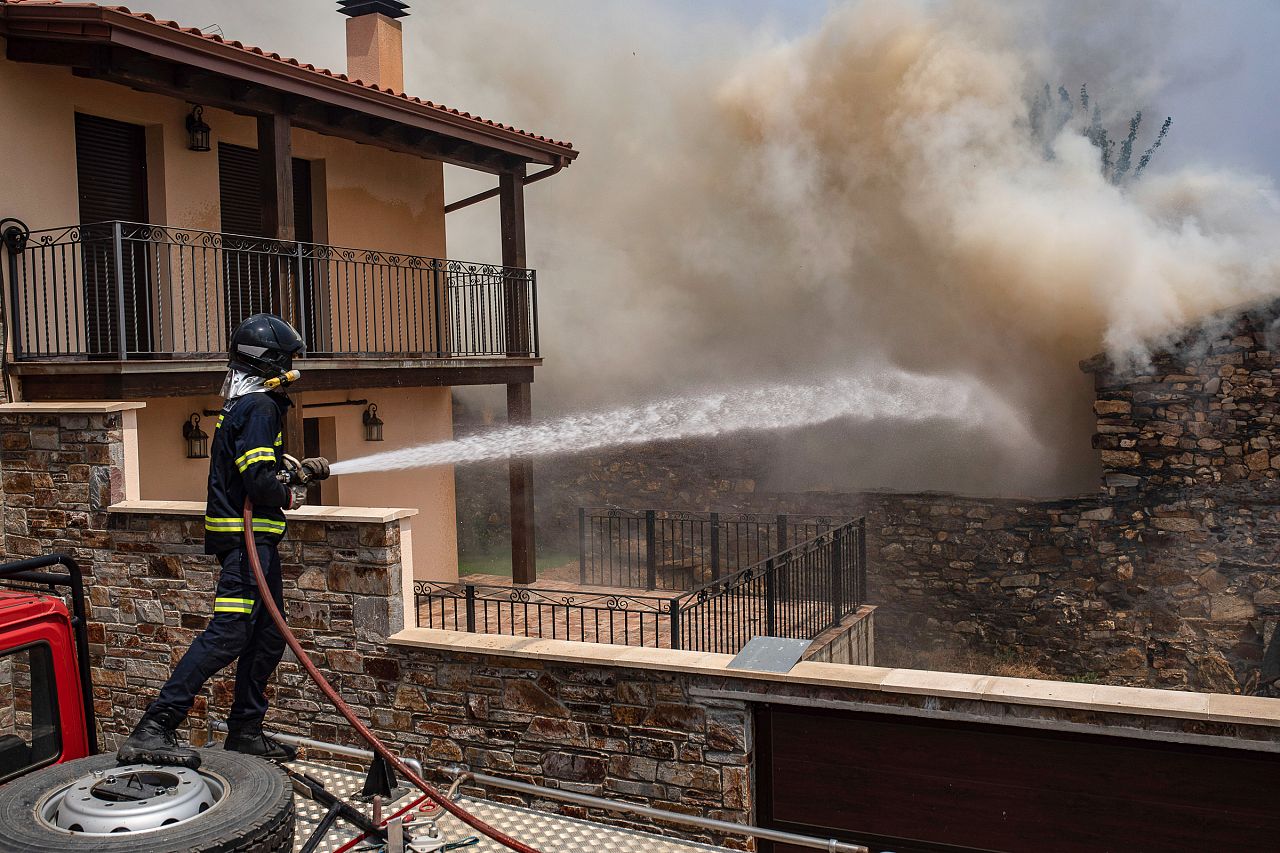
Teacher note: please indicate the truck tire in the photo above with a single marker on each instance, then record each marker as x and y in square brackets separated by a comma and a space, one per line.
[255, 812]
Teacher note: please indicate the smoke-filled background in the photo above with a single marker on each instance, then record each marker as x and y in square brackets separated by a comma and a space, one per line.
[775, 191]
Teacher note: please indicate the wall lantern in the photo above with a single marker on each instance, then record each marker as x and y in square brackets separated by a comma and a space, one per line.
[198, 129]
[372, 424]
[197, 440]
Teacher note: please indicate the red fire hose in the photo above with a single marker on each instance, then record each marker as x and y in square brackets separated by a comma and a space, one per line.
[343, 708]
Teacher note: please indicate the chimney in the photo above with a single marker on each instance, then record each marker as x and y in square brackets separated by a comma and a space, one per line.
[375, 53]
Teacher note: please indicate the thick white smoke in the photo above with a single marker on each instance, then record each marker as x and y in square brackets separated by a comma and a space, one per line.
[871, 190]
[760, 206]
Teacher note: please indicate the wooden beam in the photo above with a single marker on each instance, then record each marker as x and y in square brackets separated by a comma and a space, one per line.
[275, 164]
[524, 564]
[37, 386]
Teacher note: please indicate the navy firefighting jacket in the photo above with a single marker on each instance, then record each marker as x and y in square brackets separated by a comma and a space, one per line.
[248, 444]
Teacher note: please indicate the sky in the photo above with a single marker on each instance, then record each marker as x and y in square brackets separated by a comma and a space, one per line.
[779, 190]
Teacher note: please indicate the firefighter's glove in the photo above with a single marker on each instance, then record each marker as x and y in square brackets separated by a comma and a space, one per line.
[310, 470]
[314, 469]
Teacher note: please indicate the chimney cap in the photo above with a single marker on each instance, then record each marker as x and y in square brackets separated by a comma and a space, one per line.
[390, 8]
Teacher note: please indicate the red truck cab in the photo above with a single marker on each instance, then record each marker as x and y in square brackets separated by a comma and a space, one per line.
[42, 701]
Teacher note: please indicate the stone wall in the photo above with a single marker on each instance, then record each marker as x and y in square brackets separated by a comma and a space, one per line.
[1203, 411]
[666, 728]
[605, 731]
[1165, 577]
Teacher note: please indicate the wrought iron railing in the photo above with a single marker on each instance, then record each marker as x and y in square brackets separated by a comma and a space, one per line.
[799, 593]
[628, 620]
[660, 549]
[123, 290]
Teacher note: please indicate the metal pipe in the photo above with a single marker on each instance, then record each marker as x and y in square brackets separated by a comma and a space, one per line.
[829, 844]
[324, 746]
[338, 403]
[493, 193]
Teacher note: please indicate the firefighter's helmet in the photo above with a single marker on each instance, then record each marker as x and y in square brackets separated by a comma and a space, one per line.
[264, 345]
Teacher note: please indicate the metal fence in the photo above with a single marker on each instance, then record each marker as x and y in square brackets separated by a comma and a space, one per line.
[628, 620]
[123, 290]
[660, 549]
[797, 593]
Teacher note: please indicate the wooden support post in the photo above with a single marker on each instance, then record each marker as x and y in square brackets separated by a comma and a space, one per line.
[523, 562]
[517, 309]
[519, 396]
[275, 164]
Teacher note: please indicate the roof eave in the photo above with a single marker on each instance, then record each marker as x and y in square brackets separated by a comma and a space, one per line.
[128, 31]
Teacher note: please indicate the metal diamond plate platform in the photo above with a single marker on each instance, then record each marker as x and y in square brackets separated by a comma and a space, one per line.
[550, 833]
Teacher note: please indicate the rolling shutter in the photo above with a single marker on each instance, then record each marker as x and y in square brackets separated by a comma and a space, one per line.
[111, 174]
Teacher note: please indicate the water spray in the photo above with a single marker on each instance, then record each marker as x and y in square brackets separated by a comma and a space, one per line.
[883, 394]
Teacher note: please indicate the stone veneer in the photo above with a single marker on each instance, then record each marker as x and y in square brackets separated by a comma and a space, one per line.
[667, 728]
[1166, 577]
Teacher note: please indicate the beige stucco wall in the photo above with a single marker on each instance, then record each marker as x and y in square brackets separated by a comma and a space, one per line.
[412, 415]
[376, 199]
[372, 199]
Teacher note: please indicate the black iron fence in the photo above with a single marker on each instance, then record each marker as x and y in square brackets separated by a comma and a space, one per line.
[799, 593]
[628, 620]
[122, 290]
[660, 549]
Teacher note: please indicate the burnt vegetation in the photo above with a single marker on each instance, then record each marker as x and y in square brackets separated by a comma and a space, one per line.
[1049, 113]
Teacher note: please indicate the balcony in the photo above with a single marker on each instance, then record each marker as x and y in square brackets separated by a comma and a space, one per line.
[125, 297]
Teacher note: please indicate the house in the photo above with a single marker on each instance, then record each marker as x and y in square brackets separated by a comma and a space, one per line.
[162, 183]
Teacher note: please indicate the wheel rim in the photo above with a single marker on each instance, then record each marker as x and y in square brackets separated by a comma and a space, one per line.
[131, 799]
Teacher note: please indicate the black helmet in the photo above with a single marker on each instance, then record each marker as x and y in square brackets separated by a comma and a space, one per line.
[264, 345]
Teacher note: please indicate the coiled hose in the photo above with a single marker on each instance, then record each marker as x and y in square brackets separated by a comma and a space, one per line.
[338, 702]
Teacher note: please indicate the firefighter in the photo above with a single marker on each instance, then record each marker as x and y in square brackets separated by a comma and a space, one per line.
[246, 459]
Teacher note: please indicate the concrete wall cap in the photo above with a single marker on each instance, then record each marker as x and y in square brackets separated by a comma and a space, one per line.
[1244, 710]
[86, 408]
[353, 514]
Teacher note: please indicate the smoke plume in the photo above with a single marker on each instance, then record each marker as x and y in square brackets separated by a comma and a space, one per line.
[872, 190]
[757, 205]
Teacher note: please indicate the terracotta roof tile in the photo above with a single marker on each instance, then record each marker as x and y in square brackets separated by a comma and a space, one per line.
[257, 51]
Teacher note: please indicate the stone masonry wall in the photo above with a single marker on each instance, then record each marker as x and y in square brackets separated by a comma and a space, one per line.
[1165, 577]
[636, 734]
[632, 728]
[1203, 411]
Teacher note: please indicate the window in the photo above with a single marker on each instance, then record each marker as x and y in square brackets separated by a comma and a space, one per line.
[29, 733]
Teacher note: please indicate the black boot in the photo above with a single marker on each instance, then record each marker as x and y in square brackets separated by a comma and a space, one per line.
[252, 740]
[155, 741]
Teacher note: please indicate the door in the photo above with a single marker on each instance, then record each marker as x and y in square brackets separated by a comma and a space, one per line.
[111, 174]
[922, 785]
[257, 273]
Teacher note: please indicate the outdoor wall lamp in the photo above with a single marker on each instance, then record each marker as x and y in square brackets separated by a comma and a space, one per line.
[198, 129]
[372, 424]
[196, 438]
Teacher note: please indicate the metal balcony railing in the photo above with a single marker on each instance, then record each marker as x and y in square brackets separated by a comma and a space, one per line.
[126, 290]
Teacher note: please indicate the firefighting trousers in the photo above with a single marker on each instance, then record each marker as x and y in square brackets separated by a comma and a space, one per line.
[242, 631]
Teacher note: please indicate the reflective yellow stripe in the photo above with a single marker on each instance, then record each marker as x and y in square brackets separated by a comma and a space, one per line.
[254, 456]
[232, 608]
[236, 525]
[219, 423]
[247, 602]
[279, 439]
